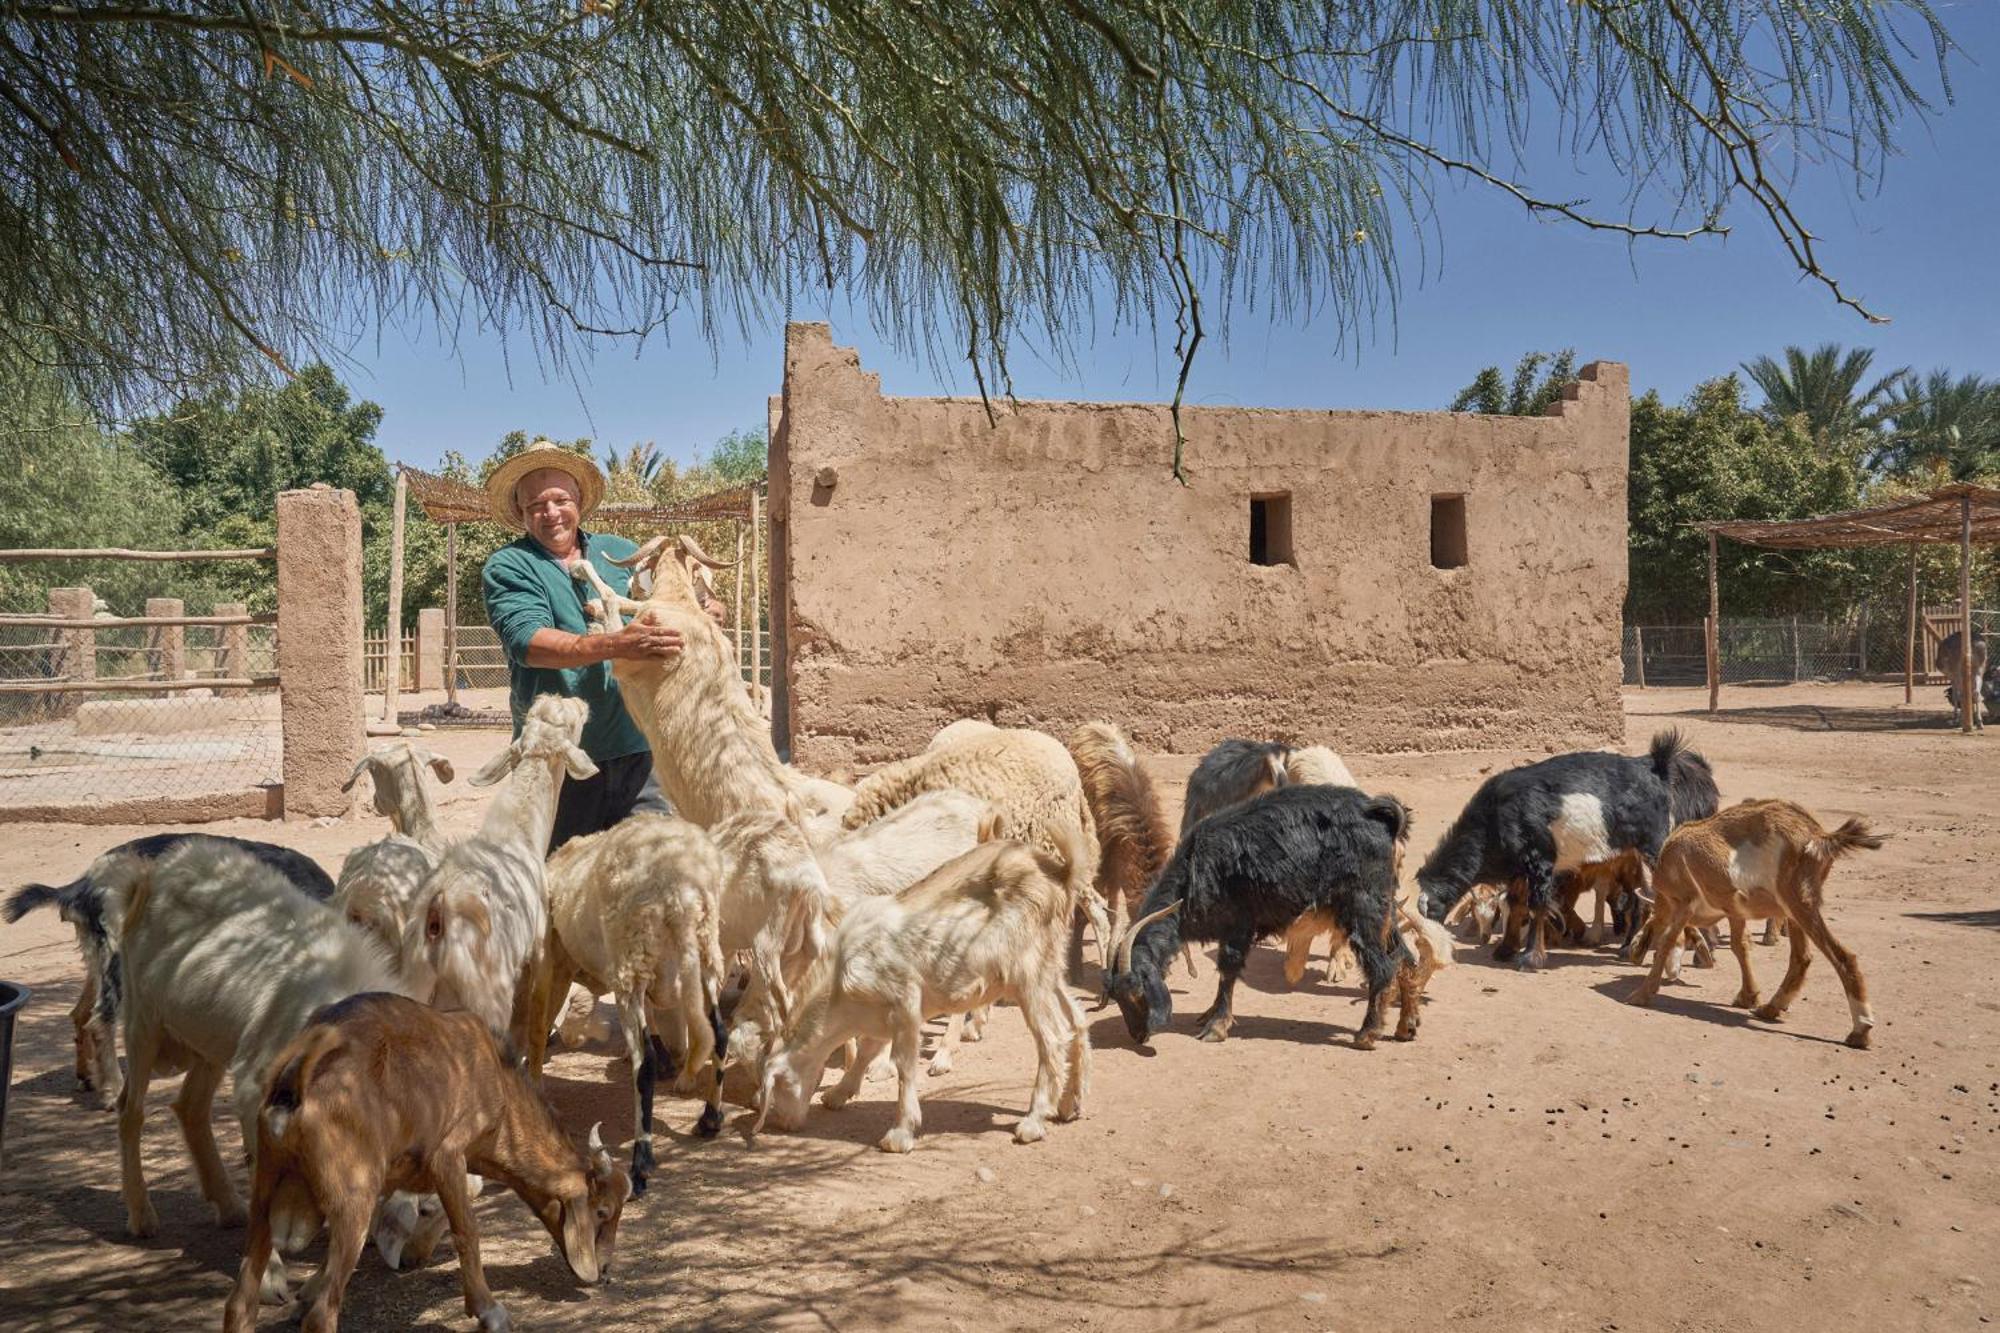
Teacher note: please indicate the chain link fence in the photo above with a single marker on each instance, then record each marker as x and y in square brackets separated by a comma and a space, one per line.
[1791, 650]
[118, 711]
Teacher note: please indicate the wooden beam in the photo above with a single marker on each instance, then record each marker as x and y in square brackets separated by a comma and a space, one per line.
[451, 613]
[393, 676]
[138, 622]
[737, 580]
[1639, 652]
[1714, 622]
[121, 553]
[756, 590]
[136, 684]
[1968, 697]
[1910, 643]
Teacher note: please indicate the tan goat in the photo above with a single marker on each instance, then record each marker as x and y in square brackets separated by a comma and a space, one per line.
[382, 1093]
[1757, 859]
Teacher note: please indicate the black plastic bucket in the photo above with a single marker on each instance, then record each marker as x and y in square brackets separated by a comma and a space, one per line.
[12, 998]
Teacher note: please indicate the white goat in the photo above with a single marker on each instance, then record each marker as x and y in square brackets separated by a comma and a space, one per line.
[636, 910]
[991, 925]
[223, 961]
[476, 942]
[380, 881]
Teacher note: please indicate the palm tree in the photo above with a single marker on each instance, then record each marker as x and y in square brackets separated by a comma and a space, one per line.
[1942, 425]
[1825, 387]
[634, 474]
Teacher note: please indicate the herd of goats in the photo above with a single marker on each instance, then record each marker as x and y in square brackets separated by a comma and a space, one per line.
[385, 1033]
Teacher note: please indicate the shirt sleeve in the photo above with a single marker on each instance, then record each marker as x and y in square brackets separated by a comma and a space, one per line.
[516, 605]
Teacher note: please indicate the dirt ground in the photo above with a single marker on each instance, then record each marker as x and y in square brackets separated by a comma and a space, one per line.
[1544, 1157]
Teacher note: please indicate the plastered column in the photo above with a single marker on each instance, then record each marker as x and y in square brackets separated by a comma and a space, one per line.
[234, 658]
[166, 645]
[77, 658]
[319, 646]
[430, 648]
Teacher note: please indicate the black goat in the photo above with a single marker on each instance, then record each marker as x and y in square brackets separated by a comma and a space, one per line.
[81, 903]
[1231, 773]
[1591, 809]
[1250, 871]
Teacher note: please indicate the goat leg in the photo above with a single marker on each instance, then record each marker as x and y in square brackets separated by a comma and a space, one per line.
[479, 1302]
[1230, 956]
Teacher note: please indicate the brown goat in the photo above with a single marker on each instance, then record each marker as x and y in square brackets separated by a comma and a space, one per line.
[382, 1093]
[1757, 859]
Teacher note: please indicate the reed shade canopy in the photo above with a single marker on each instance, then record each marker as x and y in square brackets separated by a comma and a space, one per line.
[1962, 512]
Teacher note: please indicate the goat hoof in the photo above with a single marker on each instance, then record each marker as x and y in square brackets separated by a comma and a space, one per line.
[710, 1123]
[1213, 1032]
[1744, 1000]
[1861, 1038]
[1030, 1131]
[1643, 999]
[1364, 1041]
[494, 1319]
[143, 1223]
[940, 1064]
[230, 1214]
[1769, 1014]
[898, 1140]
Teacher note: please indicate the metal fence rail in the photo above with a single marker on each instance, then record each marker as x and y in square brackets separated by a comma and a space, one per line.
[1777, 651]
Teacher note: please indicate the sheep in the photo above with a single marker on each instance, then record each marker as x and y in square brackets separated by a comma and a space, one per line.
[635, 910]
[224, 962]
[887, 855]
[1985, 687]
[382, 1092]
[477, 937]
[951, 733]
[381, 881]
[1254, 869]
[1232, 773]
[992, 924]
[1758, 858]
[1565, 813]
[81, 903]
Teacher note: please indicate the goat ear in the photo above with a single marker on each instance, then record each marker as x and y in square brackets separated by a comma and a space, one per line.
[360, 767]
[578, 763]
[498, 767]
[441, 766]
[992, 826]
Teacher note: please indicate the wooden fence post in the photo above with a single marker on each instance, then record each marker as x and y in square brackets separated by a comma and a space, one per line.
[1713, 632]
[1968, 694]
[451, 613]
[392, 636]
[1798, 654]
[232, 658]
[1910, 640]
[166, 645]
[1639, 652]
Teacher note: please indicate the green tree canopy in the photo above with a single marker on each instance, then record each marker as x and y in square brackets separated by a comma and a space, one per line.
[1943, 428]
[1829, 387]
[192, 195]
[1528, 394]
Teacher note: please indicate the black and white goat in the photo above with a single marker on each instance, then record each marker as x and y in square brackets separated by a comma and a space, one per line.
[1247, 873]
[81, 903]
[1569, 813]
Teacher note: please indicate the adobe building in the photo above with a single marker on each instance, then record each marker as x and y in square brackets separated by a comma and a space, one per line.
[1375, 581]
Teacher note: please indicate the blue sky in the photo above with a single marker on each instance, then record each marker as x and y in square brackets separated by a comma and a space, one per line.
[1924, 249]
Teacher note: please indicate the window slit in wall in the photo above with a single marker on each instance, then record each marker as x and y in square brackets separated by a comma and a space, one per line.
[1271, 529]
[1448, 549]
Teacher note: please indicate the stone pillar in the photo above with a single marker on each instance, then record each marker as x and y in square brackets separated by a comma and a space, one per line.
[319, 647]
[430, 648]
[77, 658]
[166, 645]
[233, 658]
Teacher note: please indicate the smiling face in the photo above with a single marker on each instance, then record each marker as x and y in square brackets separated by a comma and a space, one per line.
[551, 508]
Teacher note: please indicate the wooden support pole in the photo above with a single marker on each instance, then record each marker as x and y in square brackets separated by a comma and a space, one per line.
[1910, 640]
[121, 553]
[1968, 696]
[451, 613]
[738, 581]
[132, 685]
[756, 590]
[143, 622]
[1639, 652]
[1798, 653]
[392, 676]
[1714, 617]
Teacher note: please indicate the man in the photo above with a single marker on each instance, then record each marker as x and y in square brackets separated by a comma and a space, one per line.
[536, 608]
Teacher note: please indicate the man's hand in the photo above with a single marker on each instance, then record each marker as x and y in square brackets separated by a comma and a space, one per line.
[641, 640]
[716, 612]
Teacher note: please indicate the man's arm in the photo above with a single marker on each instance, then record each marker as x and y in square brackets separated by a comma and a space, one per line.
[553, 647]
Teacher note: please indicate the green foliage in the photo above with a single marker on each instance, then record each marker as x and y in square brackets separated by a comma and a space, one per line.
[197, 193]
[1712, 459]
[740, 456]
[1529, 394]
[1943, 428]
[1830, 389]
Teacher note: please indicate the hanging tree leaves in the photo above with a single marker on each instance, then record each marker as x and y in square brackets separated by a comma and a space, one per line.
[197, 194]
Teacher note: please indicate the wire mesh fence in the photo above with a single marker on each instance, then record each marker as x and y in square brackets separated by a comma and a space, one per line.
[118, 711]
[1751, 651]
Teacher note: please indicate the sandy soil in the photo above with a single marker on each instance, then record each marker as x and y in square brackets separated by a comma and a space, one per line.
[1543, 1157]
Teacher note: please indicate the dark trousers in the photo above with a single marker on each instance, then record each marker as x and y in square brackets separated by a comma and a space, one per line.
[592, 805]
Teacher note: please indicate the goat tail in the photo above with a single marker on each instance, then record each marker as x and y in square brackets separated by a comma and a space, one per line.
[295, 1216]
[1690, 783]
[1852, 836]
[1391, 813]
[29, 897]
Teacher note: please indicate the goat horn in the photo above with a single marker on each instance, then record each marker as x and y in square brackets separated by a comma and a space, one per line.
[1131, 937]
[692, 548]
[596, 1141]
[643, 556]
[359, 766]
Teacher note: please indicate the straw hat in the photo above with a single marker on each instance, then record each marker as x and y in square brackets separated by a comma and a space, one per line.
[537, 456]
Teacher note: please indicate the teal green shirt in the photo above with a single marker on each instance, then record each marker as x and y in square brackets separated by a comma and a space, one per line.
[527, 589]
